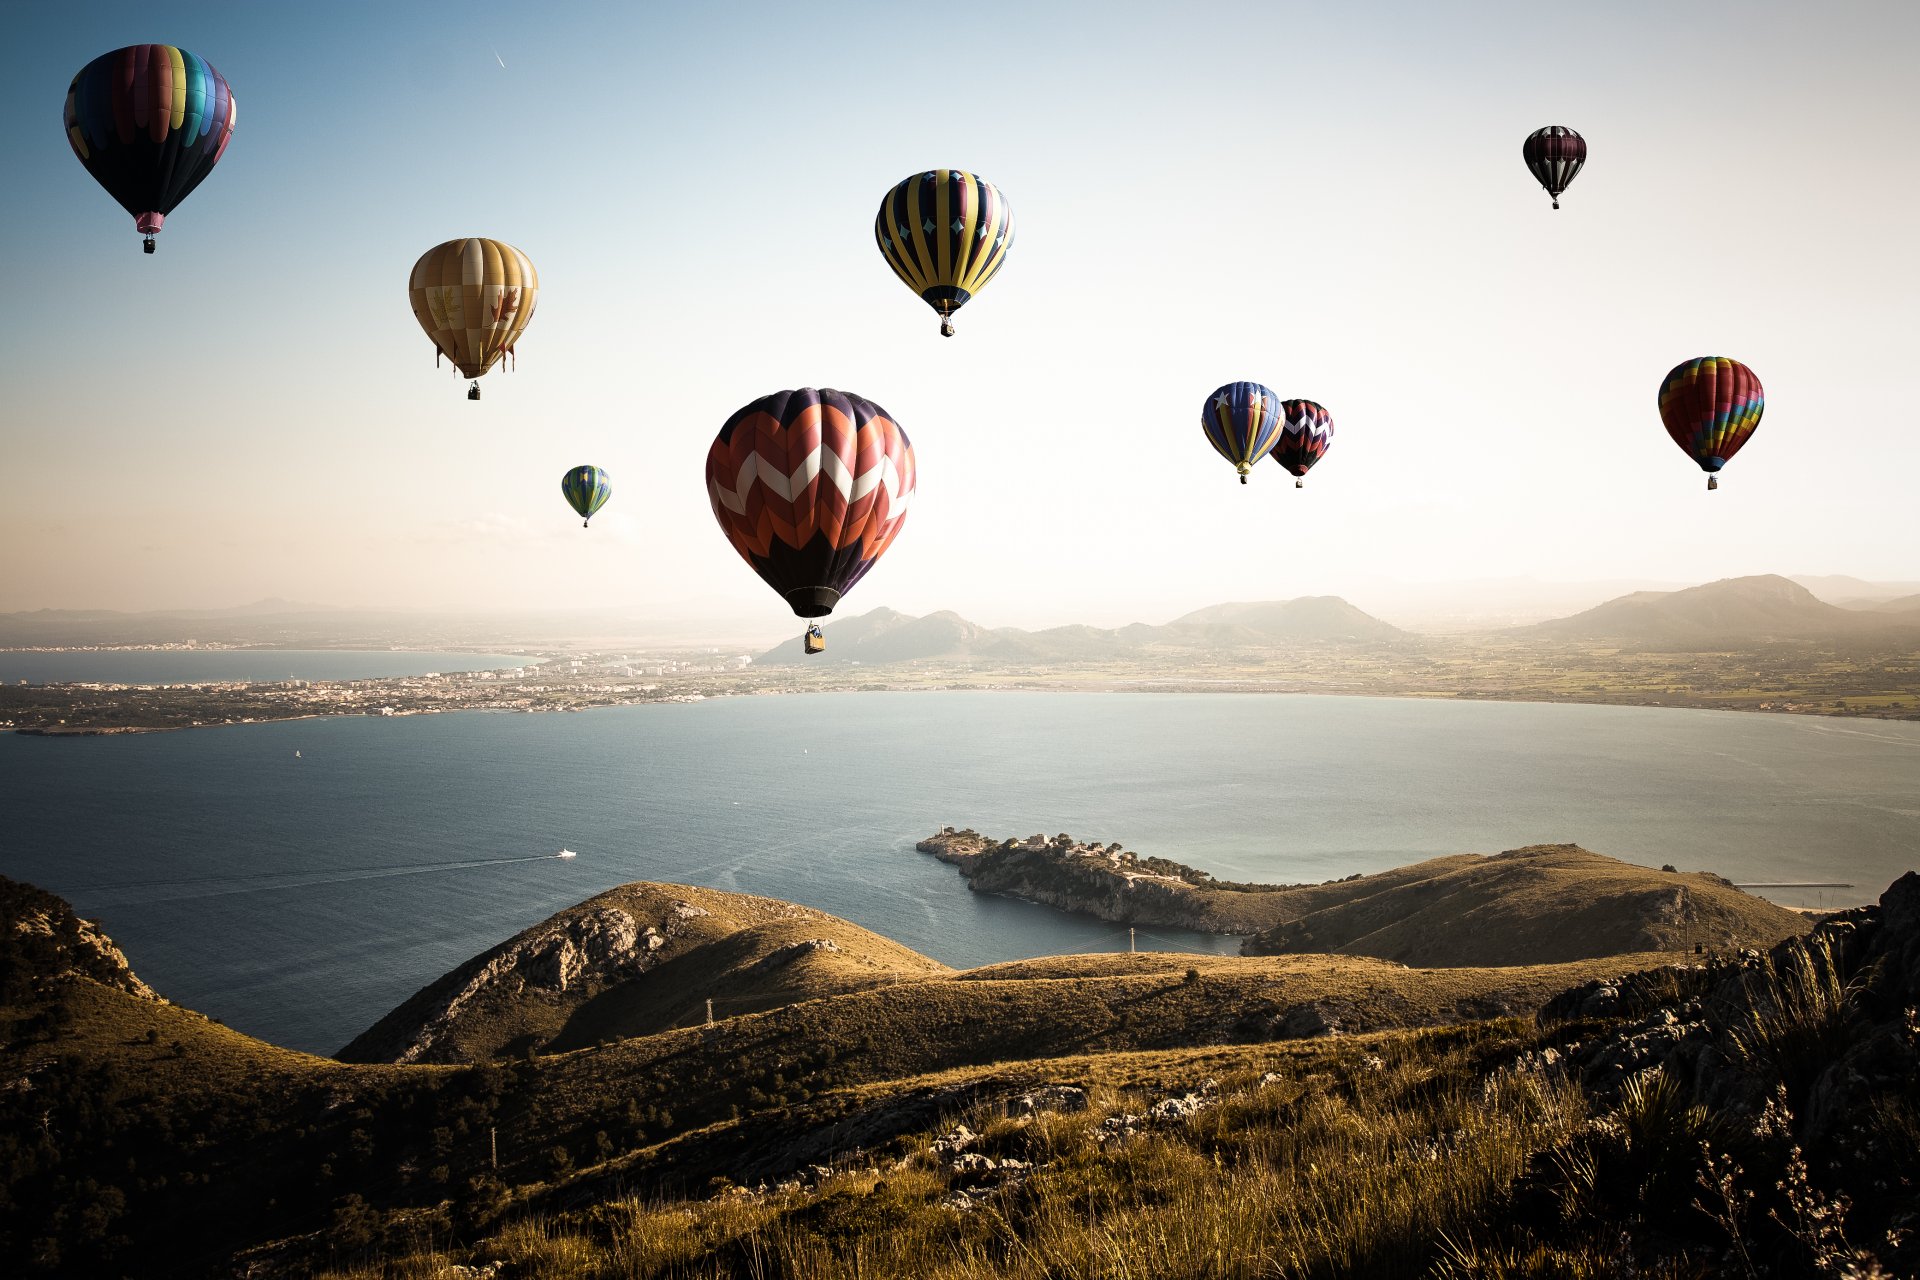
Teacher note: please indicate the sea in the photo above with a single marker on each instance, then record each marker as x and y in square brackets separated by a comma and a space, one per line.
[193, 666]
[297, 880]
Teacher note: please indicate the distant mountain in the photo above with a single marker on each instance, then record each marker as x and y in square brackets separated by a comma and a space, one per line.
[884, 636]
[1307, 618]
[1733, 610]
[1843, 589]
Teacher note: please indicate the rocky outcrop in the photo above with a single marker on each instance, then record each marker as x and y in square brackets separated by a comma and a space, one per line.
[603, 941]
[42, 940]
[1824, 1026]
[1106, 881]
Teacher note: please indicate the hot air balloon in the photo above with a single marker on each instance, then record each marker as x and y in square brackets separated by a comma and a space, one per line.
[587, 490]
[474, 297]
[149, 122]
[1555, 155]
[1242, 420]
[1305, 435]
[945, 233]
[811, 488]
[1711, 405]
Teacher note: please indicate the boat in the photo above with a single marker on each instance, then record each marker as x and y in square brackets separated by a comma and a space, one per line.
[566, 853]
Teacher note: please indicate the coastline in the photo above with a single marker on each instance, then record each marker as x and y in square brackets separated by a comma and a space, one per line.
[1119, 686]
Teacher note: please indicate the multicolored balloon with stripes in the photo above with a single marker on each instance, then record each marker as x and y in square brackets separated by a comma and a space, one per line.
[587, 490]
[1554, 155]
[811, 487]
[1242, 420]
[945, 233]
[1305, 435]
[1711, 406]
[149, 122]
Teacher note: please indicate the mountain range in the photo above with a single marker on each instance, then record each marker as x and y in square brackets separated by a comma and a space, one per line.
[1734, 611]
[884, 636]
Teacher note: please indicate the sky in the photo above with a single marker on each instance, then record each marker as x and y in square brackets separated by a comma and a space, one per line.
[1328, 199]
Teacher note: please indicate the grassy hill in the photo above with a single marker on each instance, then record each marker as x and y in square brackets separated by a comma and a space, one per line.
[1543, 903]
[137, 1136]
[628, 962]
[1733, 611]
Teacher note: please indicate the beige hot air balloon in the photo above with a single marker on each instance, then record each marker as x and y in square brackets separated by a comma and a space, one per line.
[473, 297]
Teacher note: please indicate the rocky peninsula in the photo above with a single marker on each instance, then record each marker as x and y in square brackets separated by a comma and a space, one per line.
[1540, 904]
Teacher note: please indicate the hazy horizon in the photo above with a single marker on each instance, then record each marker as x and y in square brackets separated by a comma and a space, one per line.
[253, 412]
[1435, 606]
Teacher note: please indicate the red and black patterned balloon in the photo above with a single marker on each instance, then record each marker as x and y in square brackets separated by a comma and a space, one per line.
[811, 488]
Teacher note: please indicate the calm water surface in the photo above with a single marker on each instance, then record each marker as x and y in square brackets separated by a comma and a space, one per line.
[189, 666]
[299, 898]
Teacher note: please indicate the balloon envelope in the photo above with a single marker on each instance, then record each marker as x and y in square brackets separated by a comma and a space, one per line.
[149, 122]
[587, 490]
[1711, 407]
[1241, 421]
[945, 233]
[1554, 155]
[474, 297]
[811, 488]
[1305, 435]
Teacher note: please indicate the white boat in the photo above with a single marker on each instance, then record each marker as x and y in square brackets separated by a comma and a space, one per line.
[566, 853]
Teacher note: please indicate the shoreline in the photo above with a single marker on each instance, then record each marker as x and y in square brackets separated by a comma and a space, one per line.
[1130, 686]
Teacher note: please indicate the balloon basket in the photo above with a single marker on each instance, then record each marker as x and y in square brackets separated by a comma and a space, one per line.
[1243, 478]
[1299, 484]
[473, 392]
[146, 246]
[1713, 482]
[946, 326]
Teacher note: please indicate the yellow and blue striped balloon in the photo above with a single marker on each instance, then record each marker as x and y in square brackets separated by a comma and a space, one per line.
[945, 233]
[587, 490]
[1242, 421]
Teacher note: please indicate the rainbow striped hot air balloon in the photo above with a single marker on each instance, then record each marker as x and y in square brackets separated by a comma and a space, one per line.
[149, 122]
[1242, 420]
[1712, 406]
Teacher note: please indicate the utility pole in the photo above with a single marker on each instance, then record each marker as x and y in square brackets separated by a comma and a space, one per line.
[709, 1010]
[493, 1141]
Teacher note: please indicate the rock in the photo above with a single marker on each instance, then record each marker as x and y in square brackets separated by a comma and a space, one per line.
[1170, 1109]
[1053, 1097]
[1314, 1018]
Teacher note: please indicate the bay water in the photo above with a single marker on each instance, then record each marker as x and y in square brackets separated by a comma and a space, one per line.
[299, 897]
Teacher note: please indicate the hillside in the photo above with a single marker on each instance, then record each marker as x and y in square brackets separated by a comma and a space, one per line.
[1162, 1105]
[634, 960]
[1733, 611]
[882, 636]
[1544, 903]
